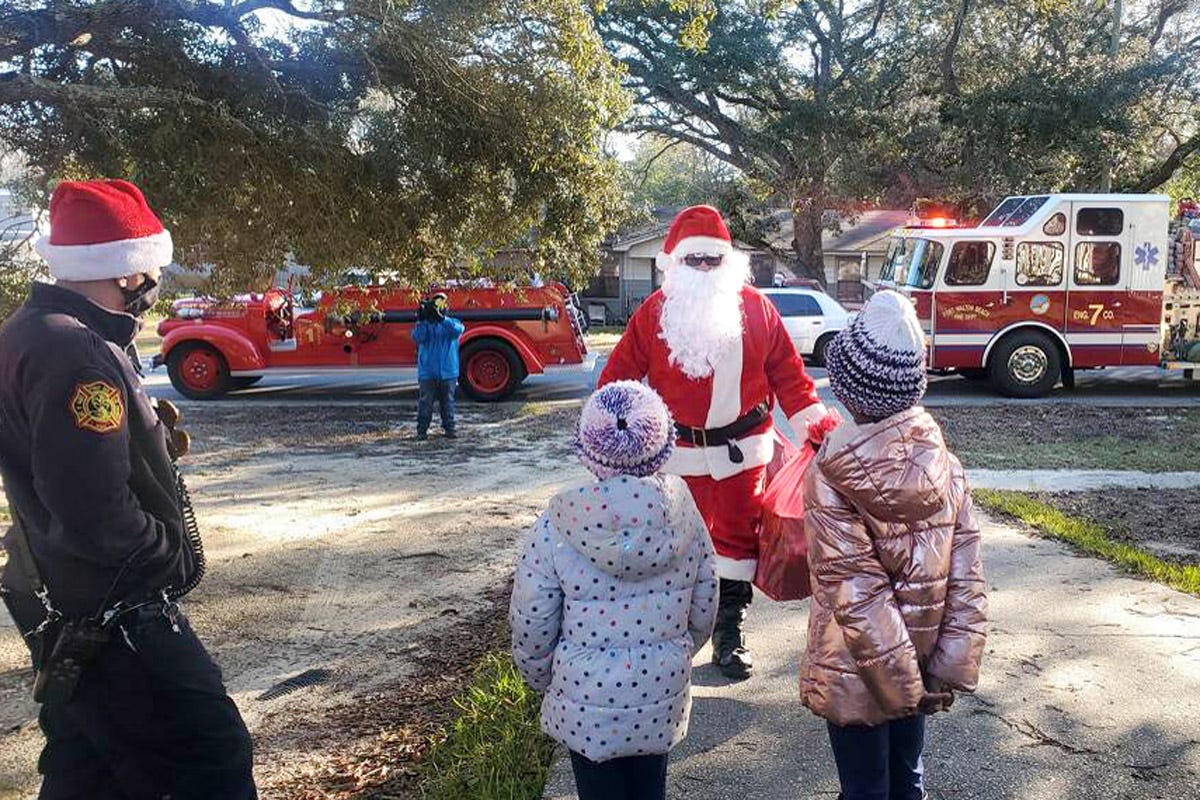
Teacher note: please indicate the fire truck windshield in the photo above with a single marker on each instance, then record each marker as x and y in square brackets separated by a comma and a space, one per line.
[912, 262]
[1014, 211]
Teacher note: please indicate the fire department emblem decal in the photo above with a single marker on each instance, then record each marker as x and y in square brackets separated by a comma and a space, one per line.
[97, 407]
[1145, 256]
[1040, 304]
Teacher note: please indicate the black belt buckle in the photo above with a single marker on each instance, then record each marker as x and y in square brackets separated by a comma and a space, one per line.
[699, 437]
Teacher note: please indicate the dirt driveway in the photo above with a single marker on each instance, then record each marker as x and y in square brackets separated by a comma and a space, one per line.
[337, 542]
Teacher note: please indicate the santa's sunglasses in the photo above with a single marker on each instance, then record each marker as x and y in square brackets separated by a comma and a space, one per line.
[697, 260]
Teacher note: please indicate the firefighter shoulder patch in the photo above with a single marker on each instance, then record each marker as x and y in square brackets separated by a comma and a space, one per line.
[97, 406]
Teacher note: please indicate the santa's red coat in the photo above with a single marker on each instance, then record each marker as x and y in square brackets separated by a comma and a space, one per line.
[765, 368]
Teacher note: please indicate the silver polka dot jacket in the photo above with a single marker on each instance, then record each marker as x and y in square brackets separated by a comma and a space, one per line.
[614, 593]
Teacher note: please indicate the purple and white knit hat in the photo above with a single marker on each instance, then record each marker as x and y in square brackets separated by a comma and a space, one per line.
[877, 364]
[625, 429]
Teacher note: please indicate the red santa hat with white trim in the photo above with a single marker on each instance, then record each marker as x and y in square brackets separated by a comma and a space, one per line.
[102, 229]
[698, 229]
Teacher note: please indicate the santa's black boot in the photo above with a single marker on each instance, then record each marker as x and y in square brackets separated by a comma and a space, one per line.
[728, 640]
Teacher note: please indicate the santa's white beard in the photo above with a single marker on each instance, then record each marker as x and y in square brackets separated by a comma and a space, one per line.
[702, 313]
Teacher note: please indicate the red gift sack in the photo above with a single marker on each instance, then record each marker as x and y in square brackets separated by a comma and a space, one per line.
[785, 451]
[782, 572]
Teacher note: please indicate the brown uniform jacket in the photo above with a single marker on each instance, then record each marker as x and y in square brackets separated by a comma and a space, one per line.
[898, 587]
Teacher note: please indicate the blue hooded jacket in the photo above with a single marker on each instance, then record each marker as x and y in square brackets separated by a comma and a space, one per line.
[437, 349]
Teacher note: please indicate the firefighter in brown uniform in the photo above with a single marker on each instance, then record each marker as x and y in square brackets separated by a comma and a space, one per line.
[103, 543]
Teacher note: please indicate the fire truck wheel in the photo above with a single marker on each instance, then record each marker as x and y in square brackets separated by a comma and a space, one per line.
[1025, 364]
[491, 370]
[198, 371]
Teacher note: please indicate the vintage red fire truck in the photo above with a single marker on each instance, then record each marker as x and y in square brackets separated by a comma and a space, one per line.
[1050, 284]
[210, 348]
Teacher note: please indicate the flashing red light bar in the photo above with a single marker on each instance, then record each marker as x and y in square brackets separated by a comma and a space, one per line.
[933, 222]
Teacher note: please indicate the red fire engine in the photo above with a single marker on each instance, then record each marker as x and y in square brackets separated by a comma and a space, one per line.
[1050, 284]
[210, 348]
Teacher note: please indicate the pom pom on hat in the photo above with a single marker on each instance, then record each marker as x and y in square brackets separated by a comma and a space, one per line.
[877, 365]
[102, 229]
[625, 429]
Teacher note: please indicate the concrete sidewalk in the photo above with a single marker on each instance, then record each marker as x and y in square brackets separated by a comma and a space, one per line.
[1090, 691]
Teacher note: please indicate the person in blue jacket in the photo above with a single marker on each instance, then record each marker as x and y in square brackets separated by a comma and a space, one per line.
[436, 335]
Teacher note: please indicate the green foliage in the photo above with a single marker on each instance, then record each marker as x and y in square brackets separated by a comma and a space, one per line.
[787, 93]
[829, 105]
[404, 137]
[17, 270]
[495, 749]
[19, 264]
[1091, 538]
[1036, 99]
[1186, 182]
[670, 173]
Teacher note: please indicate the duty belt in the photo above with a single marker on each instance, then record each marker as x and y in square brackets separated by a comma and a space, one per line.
[727, 434]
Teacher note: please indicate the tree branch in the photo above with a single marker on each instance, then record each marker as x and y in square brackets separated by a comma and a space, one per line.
[1164, 171]
[949, 79]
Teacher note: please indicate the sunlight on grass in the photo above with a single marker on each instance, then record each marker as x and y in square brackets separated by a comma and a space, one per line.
[1090, 537]
[495, 750]
[148, 341]
[541, 408]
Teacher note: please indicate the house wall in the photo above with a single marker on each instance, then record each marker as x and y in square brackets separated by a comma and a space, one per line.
[638, 281]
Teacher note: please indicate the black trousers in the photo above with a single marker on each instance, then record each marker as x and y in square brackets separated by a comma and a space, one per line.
[629, 778]
[150, 719]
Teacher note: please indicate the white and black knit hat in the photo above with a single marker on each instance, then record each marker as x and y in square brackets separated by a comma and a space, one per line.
[625, 429]
[877, 365]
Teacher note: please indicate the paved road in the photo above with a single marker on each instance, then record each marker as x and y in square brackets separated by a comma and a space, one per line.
[1090, 689]
[1136, 386]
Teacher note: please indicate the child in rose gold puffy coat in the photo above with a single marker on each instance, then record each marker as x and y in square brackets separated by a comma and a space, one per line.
[898, 617]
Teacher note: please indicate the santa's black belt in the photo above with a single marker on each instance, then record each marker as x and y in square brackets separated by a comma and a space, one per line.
[727, 434]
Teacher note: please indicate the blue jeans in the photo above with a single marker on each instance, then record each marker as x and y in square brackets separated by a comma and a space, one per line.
[442, 393]
[880, 762]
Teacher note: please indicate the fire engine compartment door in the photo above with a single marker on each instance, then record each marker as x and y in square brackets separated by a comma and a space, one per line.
[1096, 279]
[1145, 267]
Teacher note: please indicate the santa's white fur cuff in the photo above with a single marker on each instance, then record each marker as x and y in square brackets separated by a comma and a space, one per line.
[736, 569]
[806, 416]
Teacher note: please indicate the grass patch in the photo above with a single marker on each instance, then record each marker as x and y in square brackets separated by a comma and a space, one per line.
[603, 340]
[1091, 538]
[495, 750]
[148, 341]
[1072, 437]
[542, 408]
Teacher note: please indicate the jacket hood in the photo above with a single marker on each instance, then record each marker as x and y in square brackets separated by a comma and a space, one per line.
[897, 469]
[627, 527]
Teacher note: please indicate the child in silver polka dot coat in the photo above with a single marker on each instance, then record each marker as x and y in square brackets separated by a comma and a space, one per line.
[614, 593]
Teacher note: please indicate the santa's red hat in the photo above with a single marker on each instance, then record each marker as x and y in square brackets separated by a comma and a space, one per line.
[698, 229]
[102, 229]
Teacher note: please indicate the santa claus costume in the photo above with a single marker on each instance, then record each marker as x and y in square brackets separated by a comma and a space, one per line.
[716, 350]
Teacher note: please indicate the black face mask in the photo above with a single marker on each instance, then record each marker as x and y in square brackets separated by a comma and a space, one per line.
[140, 300]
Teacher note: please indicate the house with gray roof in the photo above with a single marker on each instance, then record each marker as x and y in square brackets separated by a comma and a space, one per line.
[854, 248]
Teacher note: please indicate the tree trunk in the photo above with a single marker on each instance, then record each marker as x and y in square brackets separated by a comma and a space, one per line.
[808, 222]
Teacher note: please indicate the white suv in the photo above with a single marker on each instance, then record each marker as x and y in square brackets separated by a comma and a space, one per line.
[812, 318]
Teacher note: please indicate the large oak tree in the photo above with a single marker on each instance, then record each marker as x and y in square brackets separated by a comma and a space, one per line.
[786, 92]
[824, 104]
[410, 136]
